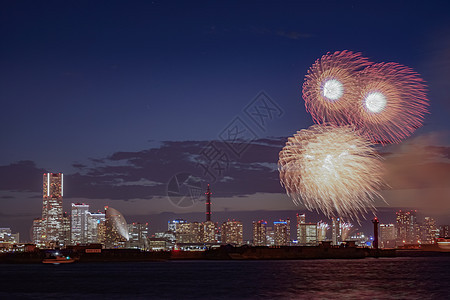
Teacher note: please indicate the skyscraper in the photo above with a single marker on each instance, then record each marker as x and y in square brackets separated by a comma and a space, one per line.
[282, 232]
[407, 227]
[336, 231]
[37, 232]
[387, 235]
[79, 224]
[322, 229]
[95, 221]
[260, 233]
[232, 233]
[138, 235]
[52, 207]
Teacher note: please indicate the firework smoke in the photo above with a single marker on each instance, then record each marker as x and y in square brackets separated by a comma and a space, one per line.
[330, 89]
[391, 103]
[346, 228]
[331, 169]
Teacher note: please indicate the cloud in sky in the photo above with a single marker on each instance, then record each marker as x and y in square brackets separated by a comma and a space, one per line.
[420, 163]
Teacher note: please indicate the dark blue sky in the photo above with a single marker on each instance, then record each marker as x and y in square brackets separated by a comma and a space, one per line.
[88, 79]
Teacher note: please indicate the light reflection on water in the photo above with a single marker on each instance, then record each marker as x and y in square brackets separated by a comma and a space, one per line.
[385, 278]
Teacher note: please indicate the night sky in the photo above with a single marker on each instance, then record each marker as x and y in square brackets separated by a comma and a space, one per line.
[121, 96]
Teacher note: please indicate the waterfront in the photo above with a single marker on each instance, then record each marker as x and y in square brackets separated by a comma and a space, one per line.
[370, 278]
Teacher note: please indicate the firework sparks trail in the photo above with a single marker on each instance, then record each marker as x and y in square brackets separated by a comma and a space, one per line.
[330, 89]
[331, 169]
[391, 103]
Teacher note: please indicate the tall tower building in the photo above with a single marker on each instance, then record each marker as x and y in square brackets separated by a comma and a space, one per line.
[336, 231]
[208, 204]
[52, 207]
[79, 224]
[387, 235]
[306, 232]
[281, 232]
[260, 233]
[407, 226]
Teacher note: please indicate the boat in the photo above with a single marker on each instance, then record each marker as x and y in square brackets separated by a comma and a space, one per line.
[58, 259]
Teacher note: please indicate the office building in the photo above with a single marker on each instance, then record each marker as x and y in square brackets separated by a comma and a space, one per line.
[336, 231]
[281, 233]
[232, 233]
[210, 232]
[260, 233]
[307, 234]
[138, 236]
[388, 235]
[407, 227]
[52, 208]
[79, 223]
[322, 230]
[116, 229]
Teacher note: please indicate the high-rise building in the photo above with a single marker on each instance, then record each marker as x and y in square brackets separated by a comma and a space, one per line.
[138, 236]
[270, 236]
[95, 221]
[210, 232]
[407, 227]
[387, 235]
[307, 234]
[116, 229]
[66, 237]
[281, 232]
[429, 232]
[79, 224]
[232, 233]
[444, 231]
[336, 231]
[260, 233]
[322, 229]
[37, 232]
[52, 207]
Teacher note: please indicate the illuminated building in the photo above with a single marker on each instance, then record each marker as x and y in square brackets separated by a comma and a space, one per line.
[7, 236]
[307, 234]
[407, 227]
[95, 221]
[260, 233]
[79, 223]
[174, 225]
[37, 232]
[282, 231]
[232, 233]
[52, 207]
[322, 229]
[388, 235]
[444, 231]
[336, 231]
[429, 232]
[66, 237]
[138, 236]
[270, 236]
[210, 232]
[116, 229]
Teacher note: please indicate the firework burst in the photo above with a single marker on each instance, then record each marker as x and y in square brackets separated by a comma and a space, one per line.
[391, 103]
[330, 88]
[331, 169]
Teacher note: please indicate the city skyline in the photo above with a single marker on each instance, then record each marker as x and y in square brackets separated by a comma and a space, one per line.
[122, 110]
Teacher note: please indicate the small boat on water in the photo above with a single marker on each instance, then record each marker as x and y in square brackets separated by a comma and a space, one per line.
[58, 259]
